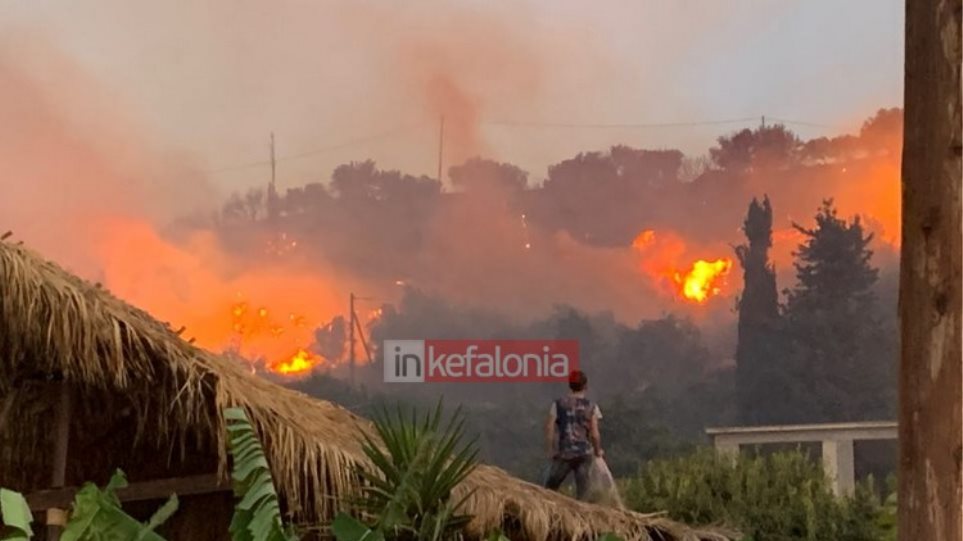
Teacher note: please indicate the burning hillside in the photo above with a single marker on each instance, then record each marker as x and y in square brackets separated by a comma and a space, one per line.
[268, 315]
[268, 277]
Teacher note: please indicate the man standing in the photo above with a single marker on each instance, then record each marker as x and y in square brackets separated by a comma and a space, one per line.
[572, 434]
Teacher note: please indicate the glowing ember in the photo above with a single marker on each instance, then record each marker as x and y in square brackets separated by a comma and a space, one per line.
[702, 281]
[281, 245]
[300, 362]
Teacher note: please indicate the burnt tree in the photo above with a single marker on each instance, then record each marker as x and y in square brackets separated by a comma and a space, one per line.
[930, 422]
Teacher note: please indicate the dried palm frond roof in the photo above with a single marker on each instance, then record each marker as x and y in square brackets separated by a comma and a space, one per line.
[54, 322]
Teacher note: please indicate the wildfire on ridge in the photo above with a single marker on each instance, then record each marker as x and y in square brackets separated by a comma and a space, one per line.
[264, 313]
[248, 323]
[696, 282]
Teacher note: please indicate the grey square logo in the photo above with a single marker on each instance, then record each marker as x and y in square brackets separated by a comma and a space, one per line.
[404, 361]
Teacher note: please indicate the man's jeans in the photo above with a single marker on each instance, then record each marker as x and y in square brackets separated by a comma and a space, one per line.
[561, 467]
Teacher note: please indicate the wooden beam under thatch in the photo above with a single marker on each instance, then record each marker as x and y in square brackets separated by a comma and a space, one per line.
[55, 323]
[158, 489]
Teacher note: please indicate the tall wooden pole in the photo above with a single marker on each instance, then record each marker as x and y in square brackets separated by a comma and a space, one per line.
[931, 296]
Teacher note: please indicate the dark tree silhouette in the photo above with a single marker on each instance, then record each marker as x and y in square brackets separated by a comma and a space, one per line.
[649, 168]
[479, 175]
[760, 368]
[883, 131]
[838, 338]
[762, 148]
[359, 181]
[312, 198]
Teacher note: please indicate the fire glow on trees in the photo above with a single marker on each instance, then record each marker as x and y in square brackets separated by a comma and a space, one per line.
[696, 282]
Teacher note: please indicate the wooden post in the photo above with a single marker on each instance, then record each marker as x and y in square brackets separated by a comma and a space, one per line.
[931, 300]
[60, 428]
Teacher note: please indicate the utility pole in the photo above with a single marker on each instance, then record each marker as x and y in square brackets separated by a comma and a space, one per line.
[273, 162]
[272, 202]
[441, 146]
[355, 324]
[351, 325]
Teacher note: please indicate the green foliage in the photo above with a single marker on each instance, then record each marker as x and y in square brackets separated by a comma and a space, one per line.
[257, 516]
[417, 463]
[97, 515]
[629, 435]
[780, 497]
[886, 521]
[347, 528]
[16, 516]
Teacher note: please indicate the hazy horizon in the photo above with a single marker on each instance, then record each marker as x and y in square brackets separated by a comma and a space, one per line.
[205, 84]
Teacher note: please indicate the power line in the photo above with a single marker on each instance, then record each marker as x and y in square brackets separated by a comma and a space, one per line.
[804, 123]
[308, 153]
[518, 124]
[621, 126]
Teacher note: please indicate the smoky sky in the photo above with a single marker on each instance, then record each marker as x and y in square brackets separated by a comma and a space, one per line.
[341, 81]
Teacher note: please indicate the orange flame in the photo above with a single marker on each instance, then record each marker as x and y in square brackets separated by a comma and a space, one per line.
[262, 326]
[696, 282]
[266, 315]
[299, 363]
[703, 279]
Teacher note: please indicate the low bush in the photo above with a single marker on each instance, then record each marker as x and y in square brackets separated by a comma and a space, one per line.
[778, 497]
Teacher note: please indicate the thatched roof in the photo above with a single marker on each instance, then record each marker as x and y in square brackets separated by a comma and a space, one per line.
[52, 322]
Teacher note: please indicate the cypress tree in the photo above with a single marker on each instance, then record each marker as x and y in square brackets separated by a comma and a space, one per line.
[757, 350]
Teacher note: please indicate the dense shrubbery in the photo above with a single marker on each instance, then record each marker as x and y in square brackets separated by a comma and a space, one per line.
[783, 496]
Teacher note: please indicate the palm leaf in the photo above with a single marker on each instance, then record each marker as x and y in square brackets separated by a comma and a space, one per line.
[16, 516]
[97, 516]
[257, 514]
[415, 463]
